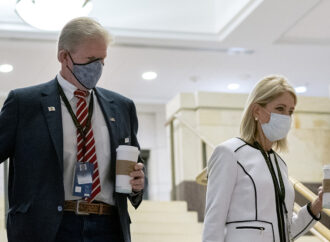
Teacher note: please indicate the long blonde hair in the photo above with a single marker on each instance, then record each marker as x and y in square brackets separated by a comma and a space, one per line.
[264, 92]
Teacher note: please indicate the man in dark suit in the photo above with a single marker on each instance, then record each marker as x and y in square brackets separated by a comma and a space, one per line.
[50, 133]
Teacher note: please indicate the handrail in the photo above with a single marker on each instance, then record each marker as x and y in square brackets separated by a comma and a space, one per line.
[202, 137]
[201, 178]
[321, 231]
[318, 235]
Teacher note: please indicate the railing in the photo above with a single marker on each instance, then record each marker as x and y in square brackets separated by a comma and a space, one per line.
[319, 230]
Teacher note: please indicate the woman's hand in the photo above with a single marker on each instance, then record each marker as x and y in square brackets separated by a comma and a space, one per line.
[316, 205]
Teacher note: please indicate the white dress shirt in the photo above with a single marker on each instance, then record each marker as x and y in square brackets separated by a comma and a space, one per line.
[102, 145]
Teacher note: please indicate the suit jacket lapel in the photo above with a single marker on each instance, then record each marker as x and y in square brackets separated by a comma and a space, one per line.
[51, 107]
[109, 109]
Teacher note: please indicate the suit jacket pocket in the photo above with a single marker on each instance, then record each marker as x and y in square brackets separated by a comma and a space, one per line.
[19, 208]
[249, 231]
[19, 222]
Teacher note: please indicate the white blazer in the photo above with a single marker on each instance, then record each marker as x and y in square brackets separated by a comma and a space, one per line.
[240, 198]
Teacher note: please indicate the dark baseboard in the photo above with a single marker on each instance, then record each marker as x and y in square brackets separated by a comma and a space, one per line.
[194, 194]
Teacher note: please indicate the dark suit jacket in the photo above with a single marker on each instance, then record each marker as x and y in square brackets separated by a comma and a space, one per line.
[31, 136]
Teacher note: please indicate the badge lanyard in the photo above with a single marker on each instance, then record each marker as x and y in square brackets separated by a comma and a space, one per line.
[279, 191]
[83, 131]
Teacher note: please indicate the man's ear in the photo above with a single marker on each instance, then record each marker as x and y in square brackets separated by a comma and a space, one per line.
[62, 56]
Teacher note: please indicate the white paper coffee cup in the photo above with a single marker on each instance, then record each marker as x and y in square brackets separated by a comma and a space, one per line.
[326, 187]
[127, 157]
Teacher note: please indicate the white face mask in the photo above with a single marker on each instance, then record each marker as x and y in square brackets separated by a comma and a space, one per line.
[277, 128]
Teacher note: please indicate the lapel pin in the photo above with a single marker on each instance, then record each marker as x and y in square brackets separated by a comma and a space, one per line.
[112, 119]
[51, 109]
[126, 140]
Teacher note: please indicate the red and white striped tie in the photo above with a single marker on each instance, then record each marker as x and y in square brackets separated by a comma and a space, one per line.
[86, 150]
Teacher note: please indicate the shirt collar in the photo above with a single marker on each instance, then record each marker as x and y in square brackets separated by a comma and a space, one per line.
[67, 87]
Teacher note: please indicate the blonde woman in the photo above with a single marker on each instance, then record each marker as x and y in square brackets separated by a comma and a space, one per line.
[249, 195]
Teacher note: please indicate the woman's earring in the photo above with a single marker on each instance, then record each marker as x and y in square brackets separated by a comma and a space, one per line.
[256, 119]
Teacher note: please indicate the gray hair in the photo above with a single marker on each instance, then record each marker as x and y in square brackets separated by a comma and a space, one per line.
[264, 92]
[79, 30]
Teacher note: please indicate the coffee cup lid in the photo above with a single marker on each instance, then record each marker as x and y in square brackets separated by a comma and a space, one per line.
[127, 147]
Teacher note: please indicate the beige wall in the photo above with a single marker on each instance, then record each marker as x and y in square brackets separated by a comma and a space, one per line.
[216, 116]
[152, 135]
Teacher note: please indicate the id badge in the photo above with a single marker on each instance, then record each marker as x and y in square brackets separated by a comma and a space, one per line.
[83, 179]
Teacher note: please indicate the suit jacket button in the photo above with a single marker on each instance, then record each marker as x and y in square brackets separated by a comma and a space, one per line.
[59, 208]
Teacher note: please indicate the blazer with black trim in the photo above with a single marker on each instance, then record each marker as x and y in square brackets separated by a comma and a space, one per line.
[32, 138]
[240, 200]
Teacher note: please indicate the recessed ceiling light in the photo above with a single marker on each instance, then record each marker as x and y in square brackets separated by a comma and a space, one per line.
[149, 75]
[233, 86]
[6, 68]
[301, 89]
[239, 51]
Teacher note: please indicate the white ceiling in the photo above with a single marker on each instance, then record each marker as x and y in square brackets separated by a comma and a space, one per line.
[185, 42]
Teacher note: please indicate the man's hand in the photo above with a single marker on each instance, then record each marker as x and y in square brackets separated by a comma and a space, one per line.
[137, 175]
